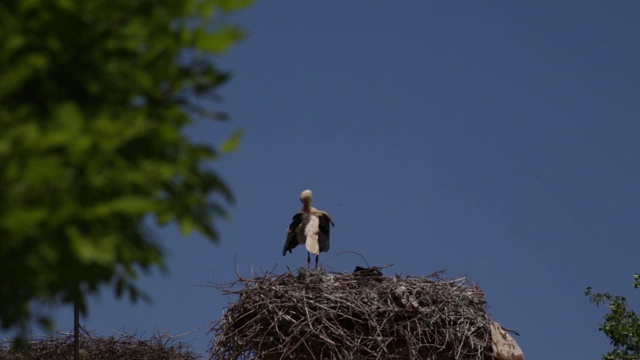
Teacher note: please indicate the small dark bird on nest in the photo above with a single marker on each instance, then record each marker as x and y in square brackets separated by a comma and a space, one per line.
[370, 271]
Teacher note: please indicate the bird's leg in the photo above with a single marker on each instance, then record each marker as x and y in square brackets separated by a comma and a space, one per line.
[308, 260]
[317, 261]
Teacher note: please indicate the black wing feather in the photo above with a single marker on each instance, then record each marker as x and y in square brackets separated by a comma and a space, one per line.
[325, 231]
[292, 240]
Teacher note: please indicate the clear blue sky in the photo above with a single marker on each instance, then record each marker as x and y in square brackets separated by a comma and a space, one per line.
[497, 140]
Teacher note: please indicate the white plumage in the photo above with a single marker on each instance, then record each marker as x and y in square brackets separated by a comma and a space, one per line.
[310, 237]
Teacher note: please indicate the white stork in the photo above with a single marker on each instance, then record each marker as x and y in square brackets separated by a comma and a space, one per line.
[309, 227]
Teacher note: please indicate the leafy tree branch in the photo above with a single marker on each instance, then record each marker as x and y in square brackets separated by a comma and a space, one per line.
[621, 324]
[94, 101]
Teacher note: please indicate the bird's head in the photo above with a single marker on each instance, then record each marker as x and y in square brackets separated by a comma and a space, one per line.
[305, 198]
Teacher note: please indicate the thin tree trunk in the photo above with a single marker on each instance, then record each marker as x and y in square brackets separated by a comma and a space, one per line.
[76, 332]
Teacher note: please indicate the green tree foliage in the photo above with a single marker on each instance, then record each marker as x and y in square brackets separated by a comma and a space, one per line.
[621, 324]
[94, 100]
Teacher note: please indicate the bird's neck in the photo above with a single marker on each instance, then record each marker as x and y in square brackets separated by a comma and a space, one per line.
[306, 207]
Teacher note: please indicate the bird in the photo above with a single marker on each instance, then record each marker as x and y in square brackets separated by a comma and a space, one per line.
[309, 227]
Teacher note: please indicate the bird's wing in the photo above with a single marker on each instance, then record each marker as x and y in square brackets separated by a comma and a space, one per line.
[292, 240]
[325, 231]
[328, 218]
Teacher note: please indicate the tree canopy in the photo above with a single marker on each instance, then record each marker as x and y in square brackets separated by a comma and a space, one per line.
[95, 97]
[621, 324]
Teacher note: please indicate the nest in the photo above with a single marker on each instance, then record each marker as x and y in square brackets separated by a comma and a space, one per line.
[124, 346]
[362, 315]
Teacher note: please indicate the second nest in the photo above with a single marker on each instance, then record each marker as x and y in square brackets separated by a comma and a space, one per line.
[362, 315]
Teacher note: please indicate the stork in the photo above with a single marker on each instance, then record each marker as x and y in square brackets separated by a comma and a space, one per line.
[309, 227]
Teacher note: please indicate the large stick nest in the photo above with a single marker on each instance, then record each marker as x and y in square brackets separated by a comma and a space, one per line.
[123, 346]
[362, 315]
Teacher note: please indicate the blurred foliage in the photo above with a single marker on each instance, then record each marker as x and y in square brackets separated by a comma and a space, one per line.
[94, 100]
[621, 324]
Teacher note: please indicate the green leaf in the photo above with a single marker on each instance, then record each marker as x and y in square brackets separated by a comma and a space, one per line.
[69, 116]
[187, 225]
[218, 42]
[231, 144]
[99, 250]
[234, 5]
[22, 220]
[131, 205]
